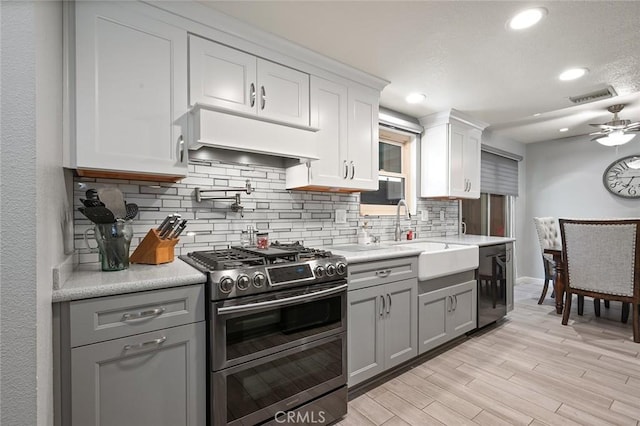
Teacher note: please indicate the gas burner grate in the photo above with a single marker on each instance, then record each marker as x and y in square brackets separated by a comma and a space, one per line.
[304, 253]
[217, 260]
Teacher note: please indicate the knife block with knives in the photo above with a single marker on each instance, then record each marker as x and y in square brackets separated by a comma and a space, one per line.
[158, 246]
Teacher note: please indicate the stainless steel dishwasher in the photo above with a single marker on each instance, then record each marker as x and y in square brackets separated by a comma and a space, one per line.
[492, 284]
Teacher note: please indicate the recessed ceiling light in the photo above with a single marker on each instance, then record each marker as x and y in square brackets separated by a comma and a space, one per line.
[415, 98]
[564, 129]
[527, 18]
[573, 73]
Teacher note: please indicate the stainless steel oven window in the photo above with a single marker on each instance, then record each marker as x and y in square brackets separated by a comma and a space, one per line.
[246, 328]
[254, 391]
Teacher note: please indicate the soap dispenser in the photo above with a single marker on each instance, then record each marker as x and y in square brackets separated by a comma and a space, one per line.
[363, 234]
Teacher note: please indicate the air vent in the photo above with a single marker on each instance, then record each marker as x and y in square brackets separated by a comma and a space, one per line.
[607, 92]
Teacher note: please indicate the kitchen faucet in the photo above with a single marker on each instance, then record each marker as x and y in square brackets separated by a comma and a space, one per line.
[398, 232]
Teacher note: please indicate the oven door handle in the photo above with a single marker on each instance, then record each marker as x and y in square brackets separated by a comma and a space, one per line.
[303, 298]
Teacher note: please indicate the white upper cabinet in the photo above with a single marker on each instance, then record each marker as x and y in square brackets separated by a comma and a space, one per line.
[347, 142]
[363, 138]
[129, 95]
[220, 76]
[450, 157]
[229, 79]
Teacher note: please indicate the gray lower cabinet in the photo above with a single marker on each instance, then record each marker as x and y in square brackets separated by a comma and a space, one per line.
[155, 378]
[382, 320]
[445, 314]
[131, 359]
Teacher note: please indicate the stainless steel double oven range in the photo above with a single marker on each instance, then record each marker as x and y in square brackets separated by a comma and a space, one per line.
[277, 334]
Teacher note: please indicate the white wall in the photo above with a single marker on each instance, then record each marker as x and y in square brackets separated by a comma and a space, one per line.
[18, 212]
[564, 179]
[34, 205]
[52, 205]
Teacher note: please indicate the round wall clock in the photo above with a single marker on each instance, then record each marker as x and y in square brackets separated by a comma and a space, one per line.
[622, 177]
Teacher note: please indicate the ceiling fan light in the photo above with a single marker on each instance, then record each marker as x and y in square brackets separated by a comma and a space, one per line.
[615, 138]
[527, 18]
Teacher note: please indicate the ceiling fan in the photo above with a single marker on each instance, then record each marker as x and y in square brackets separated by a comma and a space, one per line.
[616, 131]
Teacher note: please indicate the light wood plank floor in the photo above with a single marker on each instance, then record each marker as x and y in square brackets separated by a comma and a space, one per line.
[528, 370]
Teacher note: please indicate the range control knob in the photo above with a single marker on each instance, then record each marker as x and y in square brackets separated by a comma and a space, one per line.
[226, 284]
[243, 282]
[259, 279]
[331, 270]
[341, 268]
[319, 271]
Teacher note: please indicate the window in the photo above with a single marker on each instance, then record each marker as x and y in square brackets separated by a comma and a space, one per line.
[493, 213]
[489, 215]
[396, 175]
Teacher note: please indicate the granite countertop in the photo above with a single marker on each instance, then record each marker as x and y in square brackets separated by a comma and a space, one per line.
[87, 280]
[355, 253]
[477, 240]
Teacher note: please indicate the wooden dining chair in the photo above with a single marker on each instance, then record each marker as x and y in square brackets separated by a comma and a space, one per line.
[602, 260]
[548, 237]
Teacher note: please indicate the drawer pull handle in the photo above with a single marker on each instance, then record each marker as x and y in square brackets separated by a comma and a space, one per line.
[383, 274]
[143, 314]
[156, 342]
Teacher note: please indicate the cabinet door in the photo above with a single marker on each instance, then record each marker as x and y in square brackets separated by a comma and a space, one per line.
[365, 336]
[362, 153]
[457, 161]
[329, 114]
[463, 315]
[283, 93]
[433, 309]
[400, 333]
[131, 99]
[222, 77]
[156, 378]
[471, 159]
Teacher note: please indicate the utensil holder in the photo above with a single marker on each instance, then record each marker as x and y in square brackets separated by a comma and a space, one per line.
[154, 250]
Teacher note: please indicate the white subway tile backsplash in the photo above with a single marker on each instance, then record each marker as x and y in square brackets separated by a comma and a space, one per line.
[287, 215]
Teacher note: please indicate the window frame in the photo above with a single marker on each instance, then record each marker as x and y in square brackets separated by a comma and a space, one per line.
[408, 165]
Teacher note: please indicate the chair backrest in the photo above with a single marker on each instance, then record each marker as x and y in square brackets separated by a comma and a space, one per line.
[548, 232]
[602, 255]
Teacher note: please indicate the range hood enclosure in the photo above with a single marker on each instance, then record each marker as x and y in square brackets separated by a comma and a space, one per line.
[223, 130]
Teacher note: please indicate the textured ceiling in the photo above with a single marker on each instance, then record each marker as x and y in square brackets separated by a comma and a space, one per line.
[461, 55]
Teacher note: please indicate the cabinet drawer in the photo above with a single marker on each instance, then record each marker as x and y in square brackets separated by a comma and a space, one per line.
[363, 275]
[112, 317]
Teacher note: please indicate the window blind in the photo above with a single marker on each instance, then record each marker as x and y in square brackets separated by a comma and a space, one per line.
[498, 174]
